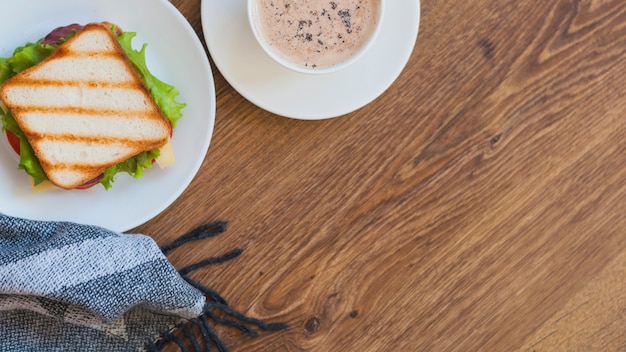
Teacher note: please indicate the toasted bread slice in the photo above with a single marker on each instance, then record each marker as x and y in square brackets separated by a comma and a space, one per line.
[85, 108]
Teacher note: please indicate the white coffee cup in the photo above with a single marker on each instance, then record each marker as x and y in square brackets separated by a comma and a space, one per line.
[314, 36]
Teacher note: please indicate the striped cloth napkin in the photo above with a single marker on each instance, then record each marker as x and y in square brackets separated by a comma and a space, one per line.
[72, 287]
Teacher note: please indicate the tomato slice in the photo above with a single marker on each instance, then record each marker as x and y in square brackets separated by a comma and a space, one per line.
[171, 134]
[91, 183]
[14, 141]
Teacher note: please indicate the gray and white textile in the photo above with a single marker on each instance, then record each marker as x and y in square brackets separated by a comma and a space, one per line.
[71, 287]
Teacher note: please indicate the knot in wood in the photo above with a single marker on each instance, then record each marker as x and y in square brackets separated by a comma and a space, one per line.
[312, 325]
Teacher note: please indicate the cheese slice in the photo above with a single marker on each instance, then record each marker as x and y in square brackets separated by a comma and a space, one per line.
[42, 187]
[167, 156]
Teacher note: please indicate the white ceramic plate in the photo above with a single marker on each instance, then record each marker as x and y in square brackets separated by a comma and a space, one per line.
[274, 88]
[174, 54]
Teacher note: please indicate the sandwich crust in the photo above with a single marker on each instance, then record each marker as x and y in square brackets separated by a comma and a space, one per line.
[85, 108]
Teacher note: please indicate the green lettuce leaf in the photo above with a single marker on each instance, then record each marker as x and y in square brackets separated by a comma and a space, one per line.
[28, 161]
[5, 70]
[163, 93]
[28, 55]
[133, 166]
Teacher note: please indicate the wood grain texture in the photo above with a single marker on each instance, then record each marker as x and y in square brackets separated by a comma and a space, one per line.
[477, 205]
[592, 320]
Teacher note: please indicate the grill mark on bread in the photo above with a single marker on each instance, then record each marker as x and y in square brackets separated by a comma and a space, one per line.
[65, 53]
[78, 84]
[96, 171]
[86, 169]
[86, 111]
[70, 138]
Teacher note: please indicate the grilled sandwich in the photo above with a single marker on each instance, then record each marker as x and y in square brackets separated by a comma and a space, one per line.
[84, 108]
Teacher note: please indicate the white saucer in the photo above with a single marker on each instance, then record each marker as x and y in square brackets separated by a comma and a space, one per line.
[281, 91]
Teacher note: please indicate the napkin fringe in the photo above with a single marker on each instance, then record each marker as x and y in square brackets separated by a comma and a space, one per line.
[216, 309]
[201, 232]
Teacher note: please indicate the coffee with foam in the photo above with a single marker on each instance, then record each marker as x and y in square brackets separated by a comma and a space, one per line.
[315, 34]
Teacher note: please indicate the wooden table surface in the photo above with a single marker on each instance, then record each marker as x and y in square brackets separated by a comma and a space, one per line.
[477, 205]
